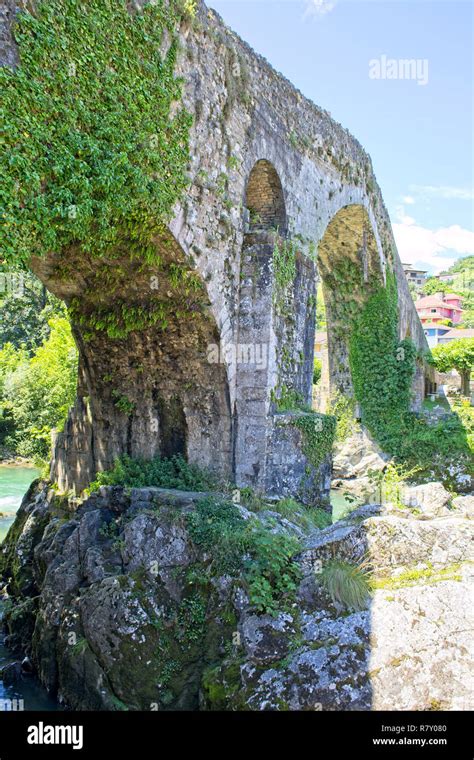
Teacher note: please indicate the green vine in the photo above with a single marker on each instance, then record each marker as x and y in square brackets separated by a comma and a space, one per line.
[382, 367]
[319, 431]
[92, 157]
[125, 319]
[286, 399]
[382, 373]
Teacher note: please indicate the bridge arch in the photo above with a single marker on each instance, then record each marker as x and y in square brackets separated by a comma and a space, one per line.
[350, 266]
[264, 198]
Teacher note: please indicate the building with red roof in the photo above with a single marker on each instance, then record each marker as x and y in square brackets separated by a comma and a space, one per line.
[439, 307]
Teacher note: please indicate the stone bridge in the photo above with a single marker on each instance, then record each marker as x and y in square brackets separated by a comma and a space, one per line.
[280, 196]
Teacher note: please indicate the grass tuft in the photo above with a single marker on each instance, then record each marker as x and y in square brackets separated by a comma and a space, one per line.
[346, 583]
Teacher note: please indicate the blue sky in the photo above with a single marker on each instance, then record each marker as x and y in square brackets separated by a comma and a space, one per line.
[420, 136]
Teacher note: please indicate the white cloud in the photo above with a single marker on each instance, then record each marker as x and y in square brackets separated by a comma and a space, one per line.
[456, 238]
[408, 199]
[319, 7]
[434, 250]
[443, 191]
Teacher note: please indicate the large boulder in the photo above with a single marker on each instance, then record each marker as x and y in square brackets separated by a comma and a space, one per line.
[356, 455]
[464, 504]
[410, 650]
[391, 539]
[431, 499]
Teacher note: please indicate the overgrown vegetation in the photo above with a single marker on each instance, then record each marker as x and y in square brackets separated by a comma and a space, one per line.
[382, 367]
[382, 370]
[266, 558]
[91, 156]
[270, 573]
[288, 399]
[174, 472]
[318, 431]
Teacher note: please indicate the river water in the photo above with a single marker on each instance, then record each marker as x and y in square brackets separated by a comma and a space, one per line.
[340, 505]
[27, 693]
[14, 482]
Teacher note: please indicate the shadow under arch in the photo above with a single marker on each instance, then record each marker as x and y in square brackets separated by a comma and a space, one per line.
[146, 384]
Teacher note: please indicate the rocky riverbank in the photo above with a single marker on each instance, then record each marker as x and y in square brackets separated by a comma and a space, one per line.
[358, 458]
[9, 459]
[129, 601]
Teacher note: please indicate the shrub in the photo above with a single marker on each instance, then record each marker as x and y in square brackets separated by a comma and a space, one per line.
[271, 575]
[174, 472]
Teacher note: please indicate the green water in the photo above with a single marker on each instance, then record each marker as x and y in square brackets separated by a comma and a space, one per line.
[27, 693]
[340, 505]
[14, 482]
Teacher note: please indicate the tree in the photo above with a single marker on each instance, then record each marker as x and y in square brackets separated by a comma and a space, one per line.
[26, 309]
[462, 265]
[458, 355]
[433, 285]
[36, 392]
